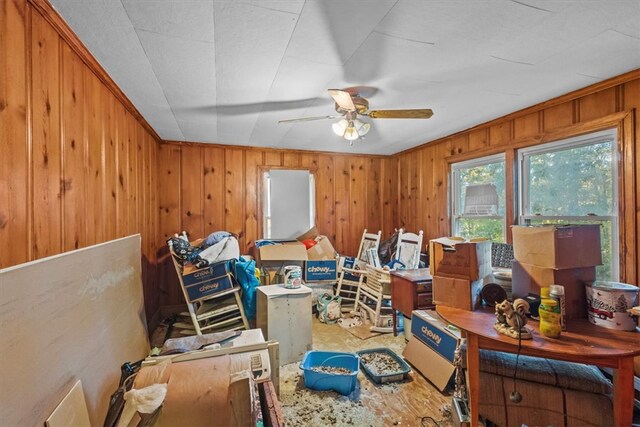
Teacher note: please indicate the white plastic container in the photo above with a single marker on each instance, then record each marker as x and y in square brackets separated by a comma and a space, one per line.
[607, 304]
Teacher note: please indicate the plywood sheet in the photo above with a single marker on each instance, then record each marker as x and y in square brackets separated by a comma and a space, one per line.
[77, 315]
[72, 411]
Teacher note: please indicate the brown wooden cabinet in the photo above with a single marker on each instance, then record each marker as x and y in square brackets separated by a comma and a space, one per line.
[410, 290]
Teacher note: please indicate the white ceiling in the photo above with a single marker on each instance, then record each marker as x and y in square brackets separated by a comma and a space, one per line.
[225, 71]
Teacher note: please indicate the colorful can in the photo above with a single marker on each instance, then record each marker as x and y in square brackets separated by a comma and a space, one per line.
[549, 318]
[292, 276]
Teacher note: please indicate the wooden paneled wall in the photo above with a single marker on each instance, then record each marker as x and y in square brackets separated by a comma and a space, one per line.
[206, 188]
[77, 165]
[424, 171]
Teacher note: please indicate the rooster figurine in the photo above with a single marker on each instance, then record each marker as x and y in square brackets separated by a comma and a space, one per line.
[511, 318]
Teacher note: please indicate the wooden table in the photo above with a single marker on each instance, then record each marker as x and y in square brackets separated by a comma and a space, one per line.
[410, 290]
[582, 343]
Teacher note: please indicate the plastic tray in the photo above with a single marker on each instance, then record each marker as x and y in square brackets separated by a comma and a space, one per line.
[390, 377]
[342, 383]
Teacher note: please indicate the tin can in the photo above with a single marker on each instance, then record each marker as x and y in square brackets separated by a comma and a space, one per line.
[292, 276]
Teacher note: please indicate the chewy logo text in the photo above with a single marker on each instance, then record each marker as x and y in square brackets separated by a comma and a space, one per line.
[209, 287]
[319, 269]
[204, 273]
[432, 335]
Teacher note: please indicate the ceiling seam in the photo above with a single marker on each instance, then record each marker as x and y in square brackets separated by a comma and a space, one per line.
[171, 35]
[403, 38]
[267, 8]
[369, 35]
[135, 30]
[532, 7]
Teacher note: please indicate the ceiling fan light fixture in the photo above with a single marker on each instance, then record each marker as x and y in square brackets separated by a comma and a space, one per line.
[340, 127]
[362, 127]
[351, 134]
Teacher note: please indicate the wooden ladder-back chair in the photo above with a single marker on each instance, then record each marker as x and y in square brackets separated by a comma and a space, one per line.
[373, 299]
[350, 278]
[216, 312]
[408, 249]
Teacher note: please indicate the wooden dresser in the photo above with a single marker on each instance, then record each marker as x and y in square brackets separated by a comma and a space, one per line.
[410, 290]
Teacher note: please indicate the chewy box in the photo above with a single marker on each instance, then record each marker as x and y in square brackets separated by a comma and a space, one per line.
[351, 263]
[315, 271]
[427, 326]
[342, 383]
[207, 281]
[385, 378]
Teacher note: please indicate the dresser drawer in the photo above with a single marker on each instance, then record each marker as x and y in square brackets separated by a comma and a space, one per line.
[424, 300]
[423, 286]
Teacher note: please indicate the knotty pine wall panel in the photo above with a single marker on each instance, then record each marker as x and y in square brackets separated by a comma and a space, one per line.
[74, 183]
[46, 144]
[218, 186]
[424, 205]
[14, 148]
[72, 163]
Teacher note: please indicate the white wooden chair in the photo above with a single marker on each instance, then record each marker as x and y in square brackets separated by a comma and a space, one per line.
[215, 313]
[373, 299]
[350, 278]
[408, 249]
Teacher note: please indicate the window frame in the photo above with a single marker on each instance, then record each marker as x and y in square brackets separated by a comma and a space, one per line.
[454, 200]
[525, 217]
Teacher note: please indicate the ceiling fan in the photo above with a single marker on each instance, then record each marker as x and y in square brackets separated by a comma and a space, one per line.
[350, 105]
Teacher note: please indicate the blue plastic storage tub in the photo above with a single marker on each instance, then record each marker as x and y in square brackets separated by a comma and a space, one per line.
[342, 383]
[398, 375]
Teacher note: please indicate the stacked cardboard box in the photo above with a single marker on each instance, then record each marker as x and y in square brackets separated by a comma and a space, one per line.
[458, 268]
[556, 254]
[318, 262]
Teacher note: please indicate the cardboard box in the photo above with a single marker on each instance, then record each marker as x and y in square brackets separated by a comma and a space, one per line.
[464, 260]
[315, 271]
[352, 263]
[431, 348]
[282, 251]
[557, 246]
[527, 278]
[458, 293]
[204, 282]
[322, 250]
[284, 315]
[431, 329]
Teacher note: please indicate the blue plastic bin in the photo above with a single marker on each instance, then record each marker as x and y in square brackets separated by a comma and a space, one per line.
[321, 381]
[390, 377]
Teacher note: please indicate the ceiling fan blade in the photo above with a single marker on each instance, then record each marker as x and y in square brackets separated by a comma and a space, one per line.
[343, 99]
[401, 114]
[308, 119]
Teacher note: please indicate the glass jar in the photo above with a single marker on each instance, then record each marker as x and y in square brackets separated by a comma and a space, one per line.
[549, 319]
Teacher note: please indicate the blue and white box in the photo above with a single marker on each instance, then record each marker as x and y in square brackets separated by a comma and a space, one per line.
[427, 326]
[432, 347]
[207, 281]
[316, 271]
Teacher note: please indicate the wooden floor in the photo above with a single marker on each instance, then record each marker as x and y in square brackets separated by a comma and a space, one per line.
[404, 403]
[401, 403]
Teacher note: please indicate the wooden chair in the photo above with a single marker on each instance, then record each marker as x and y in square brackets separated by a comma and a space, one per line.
[350, 278]
[217, 312]
[373, 299]
[408, 249]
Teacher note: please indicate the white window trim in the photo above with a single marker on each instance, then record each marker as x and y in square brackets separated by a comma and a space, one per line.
[454, 201]
[525, 217]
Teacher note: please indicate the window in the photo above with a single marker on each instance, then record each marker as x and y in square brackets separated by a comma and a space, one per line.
[574, 181]
[478, 198]
[289, 203]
